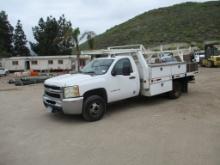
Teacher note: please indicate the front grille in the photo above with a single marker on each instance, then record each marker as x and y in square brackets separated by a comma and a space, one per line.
[51, 102]
[52, 87]
[55, 95]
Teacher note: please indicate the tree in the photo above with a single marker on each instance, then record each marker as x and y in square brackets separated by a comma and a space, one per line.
[90, 35]
[77, 38]
[20, 41]
[51, 37]
[6, 33]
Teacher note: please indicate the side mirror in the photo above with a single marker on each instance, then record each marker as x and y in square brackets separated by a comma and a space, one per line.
[113, 72]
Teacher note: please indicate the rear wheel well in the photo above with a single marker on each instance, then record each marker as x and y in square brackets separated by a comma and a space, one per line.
[99, 92]
[184, 83]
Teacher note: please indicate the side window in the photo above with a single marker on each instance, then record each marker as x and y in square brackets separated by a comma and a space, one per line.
[121, 65]
[34, 62]
[60, 62]
[14, 62]
[50, 62]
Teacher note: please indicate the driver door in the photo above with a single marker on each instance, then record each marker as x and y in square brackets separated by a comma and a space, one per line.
[123, 81]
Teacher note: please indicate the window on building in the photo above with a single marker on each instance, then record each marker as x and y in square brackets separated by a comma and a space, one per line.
[50, 61]
[60, 61]
[14, 62]
[82, 63]
[34, 62]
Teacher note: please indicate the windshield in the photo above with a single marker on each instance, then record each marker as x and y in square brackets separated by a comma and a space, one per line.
[217, 50]
[97, 66]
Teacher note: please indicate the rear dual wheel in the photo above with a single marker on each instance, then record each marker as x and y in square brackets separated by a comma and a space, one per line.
[177, 90]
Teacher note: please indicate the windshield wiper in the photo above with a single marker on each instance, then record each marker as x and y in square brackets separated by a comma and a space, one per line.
[89, 72]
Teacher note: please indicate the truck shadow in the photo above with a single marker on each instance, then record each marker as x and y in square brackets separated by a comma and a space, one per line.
[113, 108]
[136, 102]
[61, 117]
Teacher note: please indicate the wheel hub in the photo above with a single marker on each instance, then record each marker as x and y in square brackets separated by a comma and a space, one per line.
[94, 108]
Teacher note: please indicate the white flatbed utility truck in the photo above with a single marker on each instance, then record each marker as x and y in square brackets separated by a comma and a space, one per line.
[120, 73]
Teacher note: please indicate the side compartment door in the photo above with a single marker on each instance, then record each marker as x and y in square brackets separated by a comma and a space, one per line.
[124, 81]
[161, 80]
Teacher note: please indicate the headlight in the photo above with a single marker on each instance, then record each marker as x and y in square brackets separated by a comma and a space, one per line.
[70, 92]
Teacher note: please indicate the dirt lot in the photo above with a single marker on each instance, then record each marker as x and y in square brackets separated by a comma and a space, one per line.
[155, 131]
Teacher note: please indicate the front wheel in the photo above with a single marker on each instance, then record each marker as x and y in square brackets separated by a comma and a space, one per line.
[177, 90]
[94, 108]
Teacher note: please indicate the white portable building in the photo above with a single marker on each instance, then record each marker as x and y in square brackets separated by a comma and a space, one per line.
[42, 63]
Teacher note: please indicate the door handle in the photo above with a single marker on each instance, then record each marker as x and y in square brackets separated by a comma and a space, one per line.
[132, 77]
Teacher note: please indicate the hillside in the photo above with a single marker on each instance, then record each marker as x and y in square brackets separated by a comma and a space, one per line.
[184, 22]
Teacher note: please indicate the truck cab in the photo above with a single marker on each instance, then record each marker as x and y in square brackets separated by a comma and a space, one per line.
[199, 55]
[116, 75]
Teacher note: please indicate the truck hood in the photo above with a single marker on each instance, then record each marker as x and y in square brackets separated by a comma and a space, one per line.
[69, 79]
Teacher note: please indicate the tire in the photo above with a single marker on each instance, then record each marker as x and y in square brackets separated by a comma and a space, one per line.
[94, 108]
[177, 90]
[209, 64]
[185, 87]
[201, 64]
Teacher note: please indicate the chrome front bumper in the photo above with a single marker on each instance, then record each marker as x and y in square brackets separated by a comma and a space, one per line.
[68, 106]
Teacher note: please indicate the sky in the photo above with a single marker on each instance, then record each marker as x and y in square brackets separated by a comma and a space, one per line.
[88, 15]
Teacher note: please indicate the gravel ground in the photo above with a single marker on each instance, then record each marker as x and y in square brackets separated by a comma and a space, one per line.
[155, 131]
